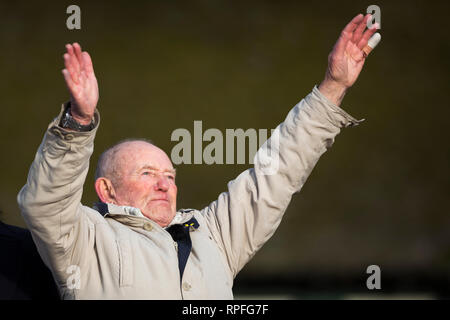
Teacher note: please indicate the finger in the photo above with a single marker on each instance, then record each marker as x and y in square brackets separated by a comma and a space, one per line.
[358, 33]
[346, 34]
[73, 59]
[88, 63]
[365, 38]
[371, 44]
[352, 25]
[79, 56]
[68, 78]
[69, 66]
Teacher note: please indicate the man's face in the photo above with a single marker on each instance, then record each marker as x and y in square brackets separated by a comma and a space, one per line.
[146, 181]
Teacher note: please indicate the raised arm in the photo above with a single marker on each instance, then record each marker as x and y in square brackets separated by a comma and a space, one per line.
[50, 200]
[246, 216]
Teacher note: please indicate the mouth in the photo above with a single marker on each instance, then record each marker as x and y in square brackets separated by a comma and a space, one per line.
[160, 201]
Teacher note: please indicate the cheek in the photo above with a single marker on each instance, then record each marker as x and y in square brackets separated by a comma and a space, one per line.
[174, 191]
[143, 190]
[135, 192]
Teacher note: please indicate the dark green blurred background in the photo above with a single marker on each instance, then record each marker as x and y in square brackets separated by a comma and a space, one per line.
[379, 196]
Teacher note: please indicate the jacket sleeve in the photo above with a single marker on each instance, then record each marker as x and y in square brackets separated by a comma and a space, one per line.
[50, 200]
[242, 219]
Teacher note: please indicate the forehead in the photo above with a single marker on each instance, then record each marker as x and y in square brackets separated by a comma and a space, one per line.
[139, 154]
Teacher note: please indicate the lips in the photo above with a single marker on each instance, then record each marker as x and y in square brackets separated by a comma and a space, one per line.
[164, 200]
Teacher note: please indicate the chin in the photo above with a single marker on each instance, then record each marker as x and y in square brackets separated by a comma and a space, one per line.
[161, 216]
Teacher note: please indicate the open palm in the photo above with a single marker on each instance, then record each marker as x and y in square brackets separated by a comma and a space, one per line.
[81, 82]
[347, 57]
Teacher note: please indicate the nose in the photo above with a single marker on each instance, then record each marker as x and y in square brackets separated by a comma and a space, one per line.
[162, 184]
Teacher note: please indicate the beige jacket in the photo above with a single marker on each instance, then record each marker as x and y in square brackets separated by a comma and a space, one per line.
[127, 256]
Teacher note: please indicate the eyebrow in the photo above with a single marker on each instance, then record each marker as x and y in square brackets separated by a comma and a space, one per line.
[173, 171]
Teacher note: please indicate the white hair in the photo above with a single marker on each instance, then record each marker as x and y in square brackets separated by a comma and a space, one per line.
[107, 166]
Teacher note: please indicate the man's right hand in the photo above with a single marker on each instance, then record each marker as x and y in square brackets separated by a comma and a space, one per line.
[81, 82]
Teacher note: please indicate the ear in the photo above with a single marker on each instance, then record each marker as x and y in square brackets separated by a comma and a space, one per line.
[105, 190]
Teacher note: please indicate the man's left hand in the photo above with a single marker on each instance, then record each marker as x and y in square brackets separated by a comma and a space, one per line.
[347, 58]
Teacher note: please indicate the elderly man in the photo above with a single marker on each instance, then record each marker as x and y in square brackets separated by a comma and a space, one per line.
[134, 244]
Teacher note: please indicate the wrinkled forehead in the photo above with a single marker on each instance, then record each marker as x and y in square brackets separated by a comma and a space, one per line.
[135, 155]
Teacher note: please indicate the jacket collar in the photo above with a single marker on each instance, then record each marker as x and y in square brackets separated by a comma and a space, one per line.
[109, 209]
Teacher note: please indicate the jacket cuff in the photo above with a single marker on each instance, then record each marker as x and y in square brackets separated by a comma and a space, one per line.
[332, 112]
[55, 131]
